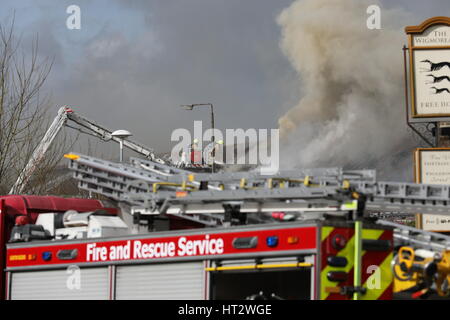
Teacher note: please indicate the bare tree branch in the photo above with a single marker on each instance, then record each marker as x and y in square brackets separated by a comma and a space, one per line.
[24, 113]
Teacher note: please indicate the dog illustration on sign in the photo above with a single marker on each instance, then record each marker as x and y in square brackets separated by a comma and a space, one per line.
[435, 66]
[437, 79]
[440, 90]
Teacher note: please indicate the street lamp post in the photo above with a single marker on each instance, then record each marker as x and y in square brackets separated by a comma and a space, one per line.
[191, 107]
[121, 134]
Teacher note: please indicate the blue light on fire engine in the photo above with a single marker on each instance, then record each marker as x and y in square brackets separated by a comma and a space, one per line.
[272, 241]
[46, 255]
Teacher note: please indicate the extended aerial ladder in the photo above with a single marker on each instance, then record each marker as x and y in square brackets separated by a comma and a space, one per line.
[208, 198]
[65, 115]
[157, 191]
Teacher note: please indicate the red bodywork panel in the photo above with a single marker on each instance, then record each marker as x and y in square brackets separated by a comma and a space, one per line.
[215, 244]
[31, 206]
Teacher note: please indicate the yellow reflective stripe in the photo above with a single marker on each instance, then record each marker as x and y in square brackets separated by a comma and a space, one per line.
[373, 294]
[349, 253]
[372, 234]
[326, 232]
[287, 265]
[231, 268]
[386, 278]
[350, 205]
[262, 266]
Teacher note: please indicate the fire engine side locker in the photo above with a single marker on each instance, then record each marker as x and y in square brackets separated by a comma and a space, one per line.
[58, 285]
[160, 281]
[283, 276]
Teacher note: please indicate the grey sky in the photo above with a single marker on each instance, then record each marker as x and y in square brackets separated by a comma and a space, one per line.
[134, 62]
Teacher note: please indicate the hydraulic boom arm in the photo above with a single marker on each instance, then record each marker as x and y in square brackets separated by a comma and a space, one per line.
[64, 115]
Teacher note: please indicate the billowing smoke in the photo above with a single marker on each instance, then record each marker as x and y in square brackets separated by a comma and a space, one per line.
[351, 112]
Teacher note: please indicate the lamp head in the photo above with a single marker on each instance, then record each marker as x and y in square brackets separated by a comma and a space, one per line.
[121, 134]
[187, 106]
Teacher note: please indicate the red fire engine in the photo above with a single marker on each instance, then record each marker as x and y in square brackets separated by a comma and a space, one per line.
[301, 234]
[296, 261]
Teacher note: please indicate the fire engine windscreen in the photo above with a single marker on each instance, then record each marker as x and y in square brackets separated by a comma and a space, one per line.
[351, 110]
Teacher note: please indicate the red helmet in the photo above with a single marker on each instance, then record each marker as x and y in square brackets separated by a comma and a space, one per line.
[22, 220]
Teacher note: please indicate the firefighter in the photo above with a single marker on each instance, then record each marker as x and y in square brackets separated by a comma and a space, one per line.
[182, 158]
[211, 150]
[183, 154]
[195, 154]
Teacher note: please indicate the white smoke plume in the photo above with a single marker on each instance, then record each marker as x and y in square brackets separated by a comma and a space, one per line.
[352, 110]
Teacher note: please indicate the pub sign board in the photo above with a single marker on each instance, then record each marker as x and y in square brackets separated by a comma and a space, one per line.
[432, 166]
[429, 68]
